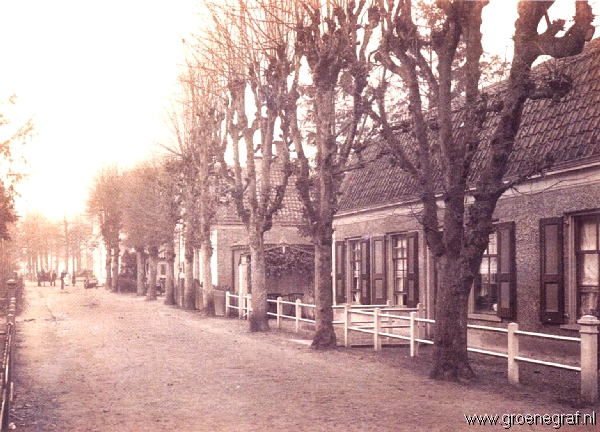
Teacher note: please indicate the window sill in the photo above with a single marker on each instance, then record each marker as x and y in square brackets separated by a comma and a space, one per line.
[573, 327]
[484, 317]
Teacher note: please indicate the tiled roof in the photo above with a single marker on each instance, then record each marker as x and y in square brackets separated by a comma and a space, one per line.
[291, 212]
[567, 131]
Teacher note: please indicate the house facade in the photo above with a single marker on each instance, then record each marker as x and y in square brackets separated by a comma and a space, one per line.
[542, 265]
[285, 249]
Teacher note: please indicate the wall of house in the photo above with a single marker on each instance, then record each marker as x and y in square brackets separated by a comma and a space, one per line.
[562, 194]
[392, 220]
[230, 236]
[227, 237]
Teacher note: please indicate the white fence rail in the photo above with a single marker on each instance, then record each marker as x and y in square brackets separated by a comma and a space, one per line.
[383, 321]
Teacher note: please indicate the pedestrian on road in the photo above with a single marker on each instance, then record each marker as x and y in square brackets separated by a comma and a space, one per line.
[63, 274]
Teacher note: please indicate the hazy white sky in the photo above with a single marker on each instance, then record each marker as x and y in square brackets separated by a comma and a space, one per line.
[97, 75]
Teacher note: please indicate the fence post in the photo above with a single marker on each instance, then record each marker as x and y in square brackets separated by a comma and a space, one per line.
[346, 324]
[12, 310]
[279, 311]
[240, 306]
[414, 345]
[589, 357]
[421, 326]
[298, 314]
[376, 329]
[513, 351]
[227, 303]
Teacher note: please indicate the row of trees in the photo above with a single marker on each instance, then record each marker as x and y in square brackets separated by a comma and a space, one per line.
[46, 244]
[320, 81]
[11, 163]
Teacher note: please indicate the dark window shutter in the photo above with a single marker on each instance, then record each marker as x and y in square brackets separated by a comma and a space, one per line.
[552, 295]
[507, 287]
[340, 272]
[365, 289]
[378, 285]
[412, 275]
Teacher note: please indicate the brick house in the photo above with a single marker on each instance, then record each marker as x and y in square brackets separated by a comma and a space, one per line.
[230, 262]
[542, 265]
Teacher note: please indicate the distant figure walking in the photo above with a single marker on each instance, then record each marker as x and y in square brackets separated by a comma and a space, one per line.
[53, 278]
[63, 274]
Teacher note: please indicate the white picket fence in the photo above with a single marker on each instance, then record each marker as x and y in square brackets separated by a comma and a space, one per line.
[385, 321]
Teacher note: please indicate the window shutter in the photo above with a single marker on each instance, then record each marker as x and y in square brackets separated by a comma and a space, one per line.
[378, 286]
[340, 272]
[552, 295]
[365, 289]
[507, 290]
[412, 275]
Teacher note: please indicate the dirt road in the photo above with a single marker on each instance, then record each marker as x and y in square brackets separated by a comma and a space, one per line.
[90, 360]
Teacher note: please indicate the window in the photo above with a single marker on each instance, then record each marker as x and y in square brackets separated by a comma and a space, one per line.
[359, 271]
[494, 291]
[373, 270]
[403, 265]
[399, 268]
[587, 257]
[486, 290]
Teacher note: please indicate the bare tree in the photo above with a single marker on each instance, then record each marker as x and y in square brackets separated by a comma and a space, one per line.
[440, 154]
[250, 44]
[105, 204]
[196, 127]
[150, 216]
[333, 38]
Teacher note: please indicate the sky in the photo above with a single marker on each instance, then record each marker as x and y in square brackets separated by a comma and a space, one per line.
[97, 77]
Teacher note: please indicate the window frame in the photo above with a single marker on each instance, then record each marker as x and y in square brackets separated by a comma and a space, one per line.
[506, 277]
[410, 292]
[577, 253]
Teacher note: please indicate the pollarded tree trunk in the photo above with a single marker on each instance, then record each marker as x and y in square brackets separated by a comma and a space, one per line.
[153, 258]
[115, 270]
[141, 286]
[259, 320]
[189, 295]
[208, 298]
[324, 333]
[170, 279]
[108, 267]
[450, 353]
[325, 108]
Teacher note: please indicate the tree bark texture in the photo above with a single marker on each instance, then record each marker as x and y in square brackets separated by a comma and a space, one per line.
[208, 297]
[323, 228]
[324, 332]
[115, 269]
[170, 278]
[140, 277]
[153, 261]
[189, 292]
[451, 361]
[259, 320]
[108, 267]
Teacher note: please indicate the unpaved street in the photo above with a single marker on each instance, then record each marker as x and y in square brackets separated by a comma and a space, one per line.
[90, 360]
